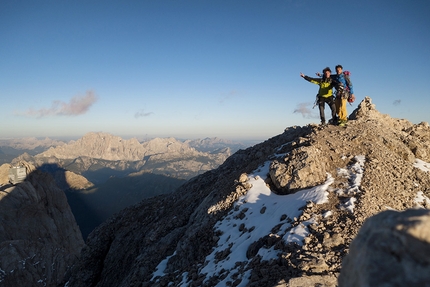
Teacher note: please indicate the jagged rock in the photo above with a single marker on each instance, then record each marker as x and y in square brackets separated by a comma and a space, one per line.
[333, 241]
[391, 249]
[39, 238]
[315, 280]
[303, 167]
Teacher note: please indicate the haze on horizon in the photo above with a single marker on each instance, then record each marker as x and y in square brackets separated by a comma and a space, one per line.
[202, 69]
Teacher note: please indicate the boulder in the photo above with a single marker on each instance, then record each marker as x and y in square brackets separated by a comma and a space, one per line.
[391, 249]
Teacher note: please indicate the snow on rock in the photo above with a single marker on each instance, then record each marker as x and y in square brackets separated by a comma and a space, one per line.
[255, 216]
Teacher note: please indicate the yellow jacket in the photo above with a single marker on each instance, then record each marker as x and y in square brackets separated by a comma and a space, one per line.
[326, 86]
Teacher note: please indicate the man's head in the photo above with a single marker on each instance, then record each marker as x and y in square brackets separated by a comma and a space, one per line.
[339, 69]
[327, 72]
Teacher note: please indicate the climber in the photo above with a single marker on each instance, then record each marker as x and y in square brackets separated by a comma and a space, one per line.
[325, 93]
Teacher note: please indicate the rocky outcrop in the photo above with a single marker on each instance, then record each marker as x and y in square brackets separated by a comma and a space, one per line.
[301, 168]
[39, 238]
[391, 249]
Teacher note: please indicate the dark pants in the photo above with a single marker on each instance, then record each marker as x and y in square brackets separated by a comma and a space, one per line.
[321, 103]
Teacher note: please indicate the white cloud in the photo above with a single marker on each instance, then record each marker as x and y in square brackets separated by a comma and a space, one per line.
[78, 105]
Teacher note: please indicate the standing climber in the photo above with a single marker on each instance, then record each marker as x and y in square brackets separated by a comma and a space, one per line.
[325, 93]
[342, 94]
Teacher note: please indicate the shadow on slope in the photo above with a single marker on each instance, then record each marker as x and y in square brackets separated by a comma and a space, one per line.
[100, 174]
[93, 206]
[85, 215]
[116, 194]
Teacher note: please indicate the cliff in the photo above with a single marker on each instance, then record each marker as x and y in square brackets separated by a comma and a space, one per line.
[39, 238]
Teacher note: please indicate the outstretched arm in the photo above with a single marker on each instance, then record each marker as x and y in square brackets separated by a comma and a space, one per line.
[316, 81]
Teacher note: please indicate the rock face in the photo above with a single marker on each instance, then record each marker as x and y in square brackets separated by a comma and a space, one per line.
[39, 238]
[391, 249]
[375, 164]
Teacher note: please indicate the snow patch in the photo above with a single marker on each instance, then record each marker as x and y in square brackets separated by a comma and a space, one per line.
[424, 166]
[422, 200]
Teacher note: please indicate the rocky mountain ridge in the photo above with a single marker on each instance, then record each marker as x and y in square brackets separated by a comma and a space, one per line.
[98, 156]
[113, 148]
[339, 176]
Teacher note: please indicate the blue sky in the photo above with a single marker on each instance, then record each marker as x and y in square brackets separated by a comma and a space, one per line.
[195, 69]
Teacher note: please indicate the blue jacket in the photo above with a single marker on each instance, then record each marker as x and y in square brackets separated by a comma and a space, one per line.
[345, 80]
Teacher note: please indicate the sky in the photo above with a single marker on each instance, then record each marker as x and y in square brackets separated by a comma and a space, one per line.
[260, 225]
[197, 69]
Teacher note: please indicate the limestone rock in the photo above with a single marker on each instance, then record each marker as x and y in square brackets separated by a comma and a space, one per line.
[391, 249]
[39, 238]
[302, 168]
[315, 280]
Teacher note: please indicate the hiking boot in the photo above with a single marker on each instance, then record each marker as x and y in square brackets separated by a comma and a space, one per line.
[322, 122]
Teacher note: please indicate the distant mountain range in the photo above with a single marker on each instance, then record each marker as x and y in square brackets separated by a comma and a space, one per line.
[11, 148]
[103, 173]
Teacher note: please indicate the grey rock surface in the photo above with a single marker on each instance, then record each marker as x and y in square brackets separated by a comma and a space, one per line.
[391, 249]
[39, 238]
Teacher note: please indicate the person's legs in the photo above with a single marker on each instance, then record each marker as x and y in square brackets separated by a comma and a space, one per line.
[332, 105]
[343, 115]
[321, 103]
[338, 104]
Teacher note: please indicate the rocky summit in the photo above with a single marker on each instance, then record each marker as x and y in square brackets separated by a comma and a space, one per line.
[282, 213]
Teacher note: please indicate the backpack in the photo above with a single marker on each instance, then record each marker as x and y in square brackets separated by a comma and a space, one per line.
[351, 98]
